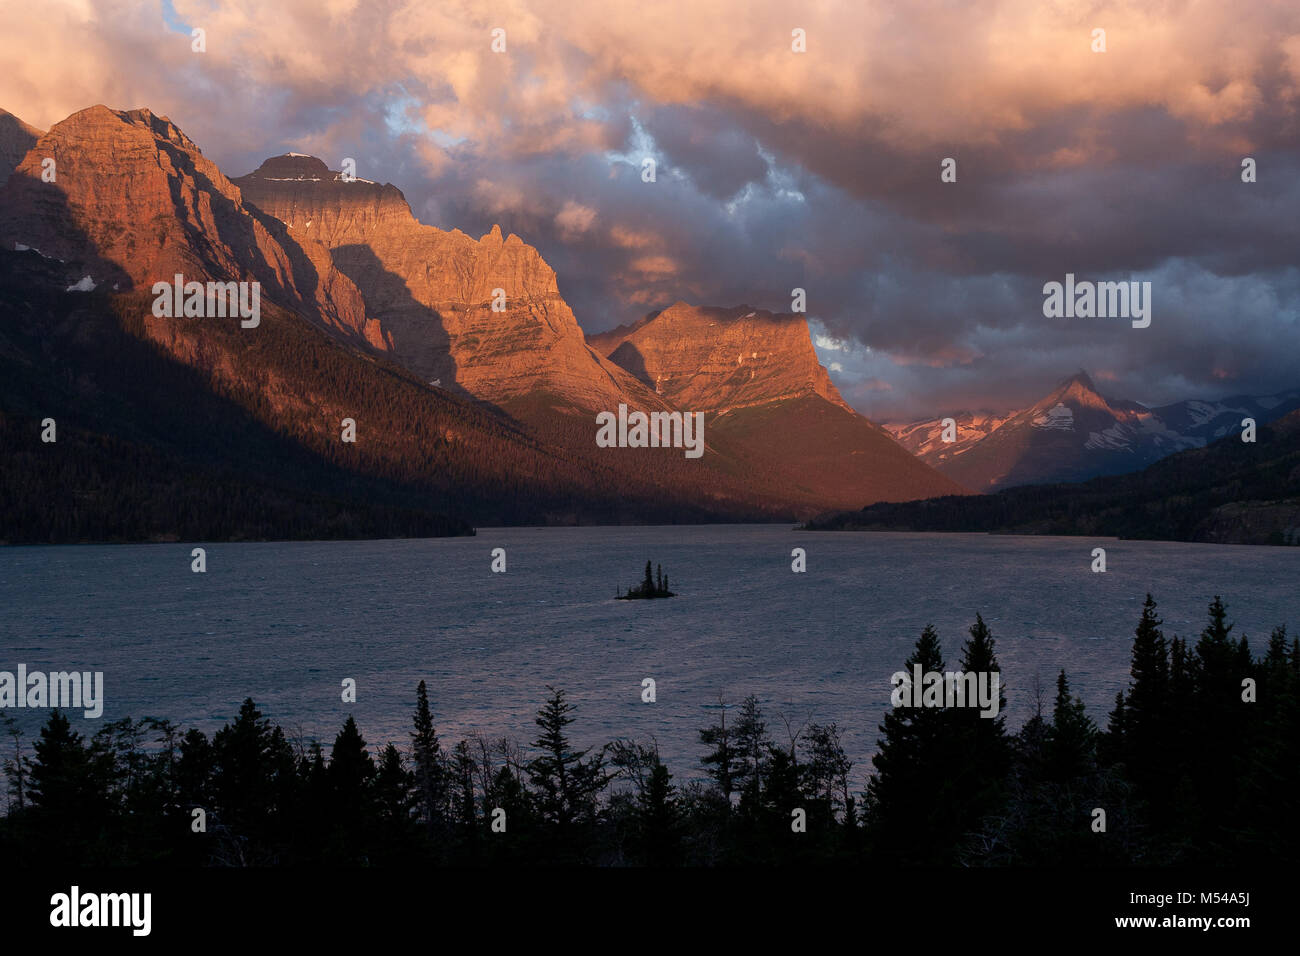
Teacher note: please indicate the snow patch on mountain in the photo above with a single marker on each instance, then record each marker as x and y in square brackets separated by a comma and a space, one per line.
[1059, 417]
[1115, 438]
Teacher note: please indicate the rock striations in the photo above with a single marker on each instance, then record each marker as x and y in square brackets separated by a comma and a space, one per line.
[134, 202]
[433, 291]
[757, 376]
[716, 360]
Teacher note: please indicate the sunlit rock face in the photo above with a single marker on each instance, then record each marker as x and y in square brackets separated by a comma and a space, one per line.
[134, 199]
[434, 291]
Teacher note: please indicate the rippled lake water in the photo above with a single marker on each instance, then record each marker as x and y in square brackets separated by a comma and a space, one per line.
[286, 622]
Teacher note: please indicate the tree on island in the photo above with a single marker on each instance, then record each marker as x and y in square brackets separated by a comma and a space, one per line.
[651, 586]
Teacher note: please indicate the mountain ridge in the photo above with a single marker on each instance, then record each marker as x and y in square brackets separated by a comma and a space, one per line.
[433, 290]
[135, 202]
[1075, 433]
[1229, 492]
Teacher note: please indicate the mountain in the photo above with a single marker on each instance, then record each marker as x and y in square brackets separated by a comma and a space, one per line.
[1075, 433]
[756, 376]
[1229, 492]
[925, 439]
[710, 359]
[135, 202]
[433, 291]
[192, 427]
[16, 138]
[1207, 421]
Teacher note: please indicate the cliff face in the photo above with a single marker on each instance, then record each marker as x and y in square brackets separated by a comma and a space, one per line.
[434, 290]
[710, 359]
[766, 396]
[134, 201]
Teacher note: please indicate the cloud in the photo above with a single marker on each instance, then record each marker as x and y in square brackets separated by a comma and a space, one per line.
[574, 219]
[778, 170]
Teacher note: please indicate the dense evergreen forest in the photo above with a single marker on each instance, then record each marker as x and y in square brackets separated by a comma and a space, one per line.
[1187, 770]
[1232, 492]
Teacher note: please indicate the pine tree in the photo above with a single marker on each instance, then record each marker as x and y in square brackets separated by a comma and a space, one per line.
[723, 762]
[286, 786]
[753, 745]
[60, 770]
[1214, 650]
[659, 819]
[782, 794]
[351, 776]
[394, 787]
[509, 794]
[430, 771]
[1072, 739]
[828, 772]
[908, 812]
[983, 759]
[1218, 727]
[68, 806]
[566, 782]
[242, 783]
[463, 768]
[1150, 672]
[17, 767]
[1146, 746]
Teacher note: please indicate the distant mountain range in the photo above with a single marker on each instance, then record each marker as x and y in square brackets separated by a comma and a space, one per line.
[1229, 492]
[471, 384]
[1075, 433]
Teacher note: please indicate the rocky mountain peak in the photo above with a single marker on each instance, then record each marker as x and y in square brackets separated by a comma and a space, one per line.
[135, 202]
[434, 290]
[713, 359]
[1078, 391]
[293, 166]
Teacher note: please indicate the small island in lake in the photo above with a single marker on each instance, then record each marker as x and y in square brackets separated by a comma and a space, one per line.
[650, 587]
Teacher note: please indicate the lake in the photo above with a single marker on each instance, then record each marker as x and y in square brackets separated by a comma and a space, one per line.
[286, 622]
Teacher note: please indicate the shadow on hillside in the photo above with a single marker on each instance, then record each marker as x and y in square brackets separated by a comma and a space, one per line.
[629, 358]
[419, 333]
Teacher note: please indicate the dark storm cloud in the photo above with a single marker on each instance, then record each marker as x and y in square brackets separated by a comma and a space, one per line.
[778, 170]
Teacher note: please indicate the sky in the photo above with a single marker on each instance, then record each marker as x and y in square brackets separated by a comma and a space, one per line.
[777, 169]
